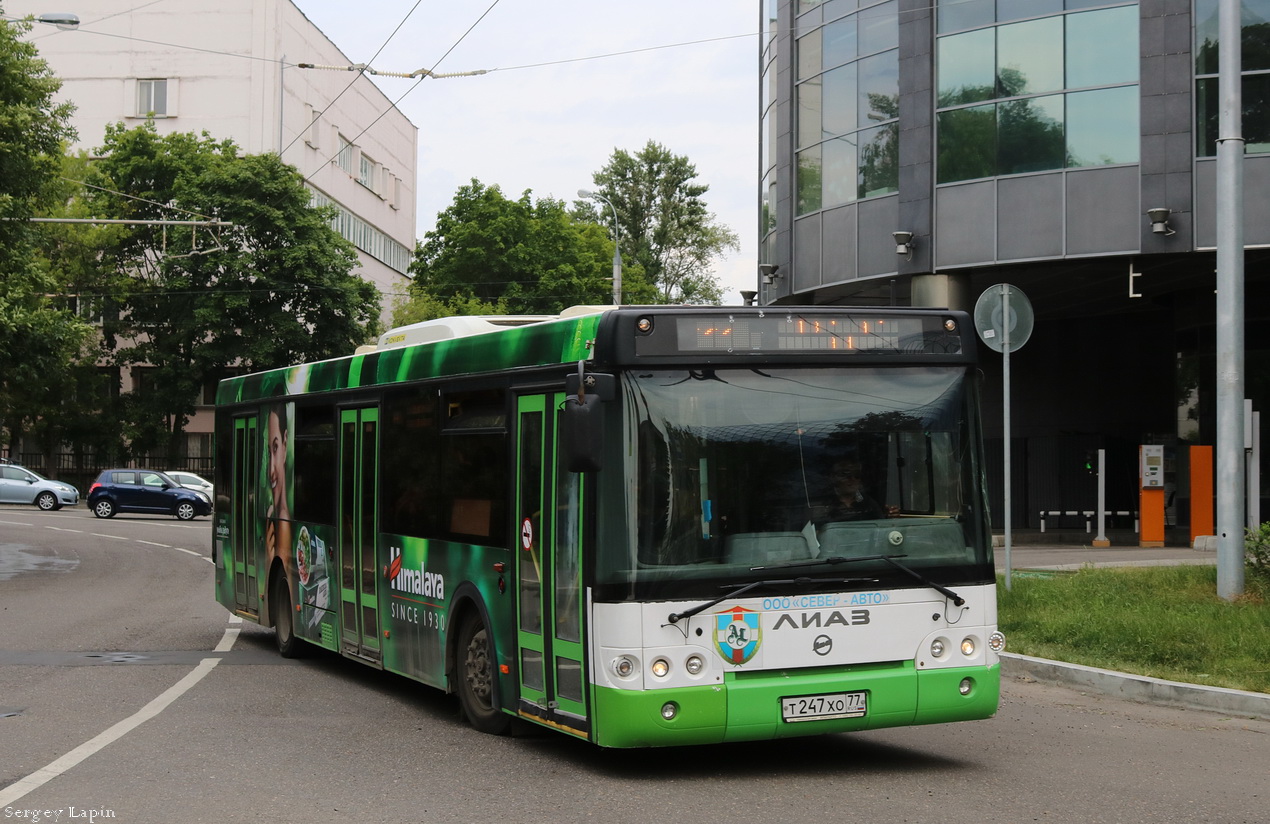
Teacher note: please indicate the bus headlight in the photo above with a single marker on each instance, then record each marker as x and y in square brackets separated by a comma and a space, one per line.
[937, 648]
[660, 668]
[669, 710]
[695, 664]
[968, 647]
[623, 666]
[996, 641]
[966, 685]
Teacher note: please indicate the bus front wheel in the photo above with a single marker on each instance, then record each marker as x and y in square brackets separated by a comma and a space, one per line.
[283, 626]
[476, 685]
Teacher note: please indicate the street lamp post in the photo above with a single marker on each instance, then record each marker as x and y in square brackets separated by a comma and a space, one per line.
[617, 254]
[63, 20]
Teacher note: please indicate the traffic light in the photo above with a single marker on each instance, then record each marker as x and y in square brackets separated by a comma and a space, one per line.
[1091, 462]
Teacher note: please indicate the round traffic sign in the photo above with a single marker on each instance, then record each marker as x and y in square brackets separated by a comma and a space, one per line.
[990, 317]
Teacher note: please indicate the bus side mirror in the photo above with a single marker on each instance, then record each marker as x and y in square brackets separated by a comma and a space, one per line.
[582, 433]
[592, 383]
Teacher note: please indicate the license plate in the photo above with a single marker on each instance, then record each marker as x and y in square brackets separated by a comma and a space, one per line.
[821, 707]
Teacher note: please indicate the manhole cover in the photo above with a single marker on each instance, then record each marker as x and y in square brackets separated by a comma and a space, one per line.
[116, 657]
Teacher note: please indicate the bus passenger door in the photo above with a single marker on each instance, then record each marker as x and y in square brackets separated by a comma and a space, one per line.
[549, 608]
[358, 527]
[242, 536]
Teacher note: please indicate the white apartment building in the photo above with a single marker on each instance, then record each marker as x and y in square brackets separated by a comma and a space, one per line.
[231, 68]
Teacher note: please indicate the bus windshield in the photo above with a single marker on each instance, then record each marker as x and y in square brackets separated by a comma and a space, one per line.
[734, 472]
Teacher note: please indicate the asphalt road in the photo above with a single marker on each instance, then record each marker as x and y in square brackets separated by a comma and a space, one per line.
[115, 706]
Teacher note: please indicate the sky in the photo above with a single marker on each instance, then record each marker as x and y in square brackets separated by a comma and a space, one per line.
[569, 82]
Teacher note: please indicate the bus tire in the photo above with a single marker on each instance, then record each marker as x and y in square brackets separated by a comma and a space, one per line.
[477, 688]
[283, 625]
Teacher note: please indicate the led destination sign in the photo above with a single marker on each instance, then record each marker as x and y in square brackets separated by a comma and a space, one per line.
[811, 334]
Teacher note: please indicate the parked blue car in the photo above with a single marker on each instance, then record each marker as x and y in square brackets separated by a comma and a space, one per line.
[146, 491]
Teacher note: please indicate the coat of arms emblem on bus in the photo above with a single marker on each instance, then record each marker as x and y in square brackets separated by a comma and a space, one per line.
[737, 634]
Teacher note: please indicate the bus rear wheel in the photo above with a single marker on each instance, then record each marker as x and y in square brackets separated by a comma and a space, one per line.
[283, 626]
[476, 685]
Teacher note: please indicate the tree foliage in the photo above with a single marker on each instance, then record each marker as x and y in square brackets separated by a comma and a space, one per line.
[187, 304]
[492, 255]
[39, 337]
[668, 233]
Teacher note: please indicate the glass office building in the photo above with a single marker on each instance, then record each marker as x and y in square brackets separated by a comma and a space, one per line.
[917, 154]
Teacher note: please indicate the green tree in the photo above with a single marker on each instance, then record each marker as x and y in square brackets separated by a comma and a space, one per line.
[420, 306]
[39, 337]
[668, 235]
[489, 254]
[188, 304]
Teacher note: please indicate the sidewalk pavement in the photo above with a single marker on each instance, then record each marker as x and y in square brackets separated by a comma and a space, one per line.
[1028, 557]
[1075, 556]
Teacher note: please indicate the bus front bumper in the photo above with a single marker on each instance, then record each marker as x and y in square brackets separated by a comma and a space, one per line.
[747, 706]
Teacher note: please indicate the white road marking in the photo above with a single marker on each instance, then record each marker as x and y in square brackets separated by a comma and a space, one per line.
[121, 538]
[227, 640]
[42, 776]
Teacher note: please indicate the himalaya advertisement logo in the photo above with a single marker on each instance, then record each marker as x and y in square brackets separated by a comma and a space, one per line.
[414, 581]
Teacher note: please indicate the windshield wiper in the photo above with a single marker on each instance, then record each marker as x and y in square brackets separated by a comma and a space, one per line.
[676, 617]
[890, 559]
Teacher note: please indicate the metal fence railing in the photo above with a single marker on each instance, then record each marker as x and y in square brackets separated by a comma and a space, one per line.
[81, 470]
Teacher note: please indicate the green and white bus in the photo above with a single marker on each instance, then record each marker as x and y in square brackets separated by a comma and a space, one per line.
[642, 526]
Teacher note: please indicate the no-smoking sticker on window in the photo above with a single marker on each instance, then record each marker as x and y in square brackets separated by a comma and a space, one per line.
[526, 535]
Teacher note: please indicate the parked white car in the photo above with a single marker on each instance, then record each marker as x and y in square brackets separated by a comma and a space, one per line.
[191, 481]
[19, 485]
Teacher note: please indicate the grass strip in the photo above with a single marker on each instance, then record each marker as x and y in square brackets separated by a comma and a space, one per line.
[1163, 622]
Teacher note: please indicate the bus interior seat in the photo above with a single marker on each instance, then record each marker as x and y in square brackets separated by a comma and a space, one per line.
[760, 548]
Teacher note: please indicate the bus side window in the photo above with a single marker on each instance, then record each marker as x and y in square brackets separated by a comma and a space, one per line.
[473, 455]
[474, 467]
[410, 463]
[314, 464]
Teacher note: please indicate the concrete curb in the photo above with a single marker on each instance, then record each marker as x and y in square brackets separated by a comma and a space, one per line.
[1138, 687]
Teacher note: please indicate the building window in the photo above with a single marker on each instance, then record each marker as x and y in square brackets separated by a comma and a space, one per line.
[98, 388]
[366, 172]
[344, 159]
[364, 236]
[1255, 67]
[1025, 97]
[848, 107]
[152, 97]
[143, 380]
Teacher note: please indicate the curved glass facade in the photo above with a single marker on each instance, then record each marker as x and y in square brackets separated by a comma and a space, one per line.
[767, 134]
[1016, 96]
[846, 104]
[1038, 140]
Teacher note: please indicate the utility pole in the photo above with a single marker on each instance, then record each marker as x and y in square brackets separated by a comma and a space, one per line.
[1230, 310]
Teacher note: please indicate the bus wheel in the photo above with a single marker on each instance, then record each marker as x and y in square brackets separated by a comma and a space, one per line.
[283, 627]
[476, 679]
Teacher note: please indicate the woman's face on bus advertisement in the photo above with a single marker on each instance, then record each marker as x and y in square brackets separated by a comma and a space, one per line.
[277, 458]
